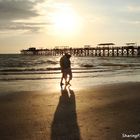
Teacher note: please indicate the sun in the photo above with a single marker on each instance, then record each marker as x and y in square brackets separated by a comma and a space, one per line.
[65, 21]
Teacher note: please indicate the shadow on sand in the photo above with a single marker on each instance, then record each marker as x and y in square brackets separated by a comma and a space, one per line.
[64, 125]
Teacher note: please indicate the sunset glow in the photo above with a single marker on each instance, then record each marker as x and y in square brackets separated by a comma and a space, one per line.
[65, 21]
[50, 23]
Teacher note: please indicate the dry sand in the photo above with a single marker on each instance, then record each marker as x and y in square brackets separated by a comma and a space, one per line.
[97, 113]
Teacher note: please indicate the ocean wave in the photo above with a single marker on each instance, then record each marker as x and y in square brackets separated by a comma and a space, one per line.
[87, 65]
[42, 78]
[51, 62]
[28, 78]
[29, 69]
[31, 73]
[41, 69]
[26, 63]
[119, 64]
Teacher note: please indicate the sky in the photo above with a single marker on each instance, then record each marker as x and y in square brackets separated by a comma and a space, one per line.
[74, 23]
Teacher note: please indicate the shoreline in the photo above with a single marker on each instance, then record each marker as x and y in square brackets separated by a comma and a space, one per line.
[53, 85]
[99, 112]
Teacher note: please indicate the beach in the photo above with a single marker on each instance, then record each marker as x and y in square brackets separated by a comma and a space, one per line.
[69, 70]
[102, 103]
[101, 112]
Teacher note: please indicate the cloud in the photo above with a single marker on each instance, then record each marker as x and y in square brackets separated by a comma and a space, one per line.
[134, 9]
[17, 9]
[26, 11]
[22, 26]
[131, 22]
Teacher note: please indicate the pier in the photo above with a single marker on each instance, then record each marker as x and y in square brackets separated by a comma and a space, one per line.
[101, 50]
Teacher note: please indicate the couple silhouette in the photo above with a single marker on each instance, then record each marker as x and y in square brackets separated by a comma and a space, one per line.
[66, 71]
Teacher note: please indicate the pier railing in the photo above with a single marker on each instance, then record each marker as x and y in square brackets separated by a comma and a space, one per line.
[89, 51]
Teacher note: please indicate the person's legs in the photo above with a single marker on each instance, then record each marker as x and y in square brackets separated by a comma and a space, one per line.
[65, 73]
[61, 82]
[64, 76]
[70, 76]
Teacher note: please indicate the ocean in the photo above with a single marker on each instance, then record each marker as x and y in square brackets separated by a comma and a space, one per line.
[24, 72]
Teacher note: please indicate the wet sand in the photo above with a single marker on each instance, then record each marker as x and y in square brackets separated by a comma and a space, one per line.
[102, 112]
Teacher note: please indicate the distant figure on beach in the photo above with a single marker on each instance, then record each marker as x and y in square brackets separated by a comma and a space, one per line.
[65, 65]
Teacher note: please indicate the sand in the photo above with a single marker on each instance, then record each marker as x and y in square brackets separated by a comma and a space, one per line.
[105, 112]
